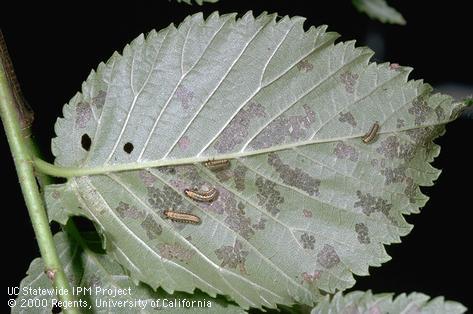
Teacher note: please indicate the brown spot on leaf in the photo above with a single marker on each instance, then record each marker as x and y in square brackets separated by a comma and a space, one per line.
[152, 228]
[307, 213]
[305, 66]
[184, 142]
[308, 241]
[344, 151]
[311, 278]
[233, 256]
[362, 230]
[407, 151]
[224, 203]
[190, 173]
[294, 127]
[349, 80]
[224, 175]
[147, 177]
[237, 129]
[167, 170]
[374, 162]
[370, 204]
[56, 195]
[411, 190]
[239, 175]
[83, 114]
[268, 196]
[328, 257]
[421, 136]
[166, 198]
[238, 221]
[175, 251]
[394, 175]
[394, 66]
[389, 147]
[348, 118]
[400, 123]
[260, 225]
[124, 210]
[99, 100]
[294, 177]
[420, 110]
[185, 96]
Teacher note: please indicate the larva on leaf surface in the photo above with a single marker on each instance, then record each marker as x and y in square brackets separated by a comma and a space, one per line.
[181, 217]
[207, 196]
[217, 165]
[370, 136]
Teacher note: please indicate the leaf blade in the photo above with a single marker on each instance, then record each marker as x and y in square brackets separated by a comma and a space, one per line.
[290, 106]
[367, 302]
[380, 10]
[88, 269]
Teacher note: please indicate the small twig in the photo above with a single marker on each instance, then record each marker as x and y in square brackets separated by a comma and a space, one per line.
[20, 145]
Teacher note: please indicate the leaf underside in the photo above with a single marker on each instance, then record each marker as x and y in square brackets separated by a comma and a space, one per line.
[87, 269]
[379, 10]
[305, 205]
[360, 302]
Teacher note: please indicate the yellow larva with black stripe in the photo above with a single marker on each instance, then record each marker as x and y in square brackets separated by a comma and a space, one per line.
[217, 165]
[370, 136]
[181, 217]
[207, 196]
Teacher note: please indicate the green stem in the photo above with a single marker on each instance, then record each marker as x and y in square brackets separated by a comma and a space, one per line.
[21, 151]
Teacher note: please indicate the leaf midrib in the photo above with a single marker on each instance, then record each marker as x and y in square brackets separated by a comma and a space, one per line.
[70, 172]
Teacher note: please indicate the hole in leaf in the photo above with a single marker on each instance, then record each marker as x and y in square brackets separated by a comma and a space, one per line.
[60, 180]
[84, 224]
[55, 227]
[89, 233]
[128, 148]
[86, 142]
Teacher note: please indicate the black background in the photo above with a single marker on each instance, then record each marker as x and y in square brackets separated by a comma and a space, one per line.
[54, 47]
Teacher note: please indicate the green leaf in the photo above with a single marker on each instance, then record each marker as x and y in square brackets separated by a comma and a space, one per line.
[105, 279]
[199, 2]
[361, 302]
[305, 204]
[379, 10]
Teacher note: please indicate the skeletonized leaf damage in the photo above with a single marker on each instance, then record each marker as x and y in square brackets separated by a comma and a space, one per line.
[106, 287]
[304, 203]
